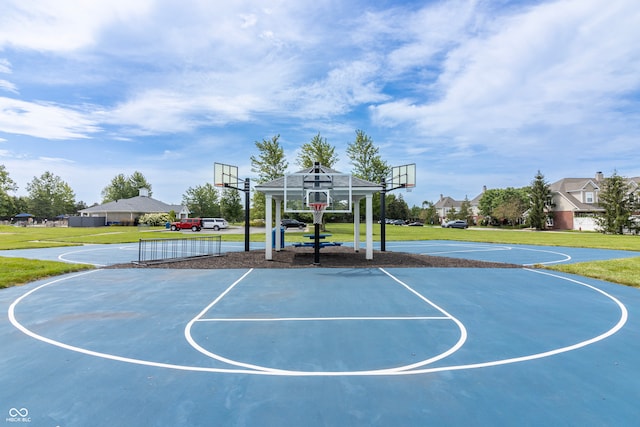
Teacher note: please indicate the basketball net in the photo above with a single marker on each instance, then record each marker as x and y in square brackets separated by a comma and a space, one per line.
[318, 210]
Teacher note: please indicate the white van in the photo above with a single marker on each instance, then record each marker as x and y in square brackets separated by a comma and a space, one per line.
[214, 223]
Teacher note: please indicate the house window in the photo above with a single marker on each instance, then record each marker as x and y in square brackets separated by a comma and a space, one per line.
[588, 197]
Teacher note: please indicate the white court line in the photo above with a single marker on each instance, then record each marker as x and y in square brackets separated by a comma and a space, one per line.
[315, 319]
[62, 256]
[491, 248]
[621, 322]
[447, 316]
[567, 256]
[469, 251]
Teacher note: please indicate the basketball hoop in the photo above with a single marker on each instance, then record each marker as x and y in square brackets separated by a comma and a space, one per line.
[318, 210]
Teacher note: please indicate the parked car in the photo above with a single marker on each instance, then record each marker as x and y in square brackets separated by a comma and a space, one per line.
[415, 224]
[288, 223]
[459, 223]
[195, 224]
[215, 223]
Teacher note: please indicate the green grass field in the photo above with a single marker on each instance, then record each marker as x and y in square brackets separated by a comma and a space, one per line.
[14, 271]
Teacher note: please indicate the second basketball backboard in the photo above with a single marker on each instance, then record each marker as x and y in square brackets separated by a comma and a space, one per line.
[403, 176]
[302, 190]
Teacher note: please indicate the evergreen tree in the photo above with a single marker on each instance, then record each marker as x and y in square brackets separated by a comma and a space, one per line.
[465, 212]
[618, 201]
[539, 197]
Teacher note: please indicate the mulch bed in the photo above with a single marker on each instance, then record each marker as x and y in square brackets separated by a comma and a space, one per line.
[334, 257]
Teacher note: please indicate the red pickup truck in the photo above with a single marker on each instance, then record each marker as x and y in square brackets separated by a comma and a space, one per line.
[195, 224]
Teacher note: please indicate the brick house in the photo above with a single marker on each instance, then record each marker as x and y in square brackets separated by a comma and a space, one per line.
[575, 202]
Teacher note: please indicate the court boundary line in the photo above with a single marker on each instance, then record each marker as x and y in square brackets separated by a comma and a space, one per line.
[621, 322]
[493, 247]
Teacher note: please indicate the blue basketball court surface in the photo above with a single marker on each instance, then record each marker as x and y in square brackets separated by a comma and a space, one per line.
[322, 346]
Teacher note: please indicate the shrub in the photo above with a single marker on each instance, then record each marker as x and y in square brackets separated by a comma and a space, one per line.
[154, 220]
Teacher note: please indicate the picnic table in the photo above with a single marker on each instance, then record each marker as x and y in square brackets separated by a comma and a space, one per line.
[312, 243]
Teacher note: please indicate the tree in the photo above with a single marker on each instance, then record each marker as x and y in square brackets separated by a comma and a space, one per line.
[202, 201]
[365, 159]
[618, 201]
[429, 213]
[465, 211]
[7, 204]
[539, 198]
[269, 165]
[396, 207]
[138, 181]
[500, 205]
[452, 214]
[231, 205]
[124, 187]
[510, 210]
[318, 150]
[271, 162]
[50, 196]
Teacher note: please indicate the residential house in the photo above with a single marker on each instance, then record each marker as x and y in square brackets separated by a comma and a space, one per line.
[575, 202]
[445, 204]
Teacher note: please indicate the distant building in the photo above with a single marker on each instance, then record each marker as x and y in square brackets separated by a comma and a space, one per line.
[575, 202]
[445, 204]
[129, 210]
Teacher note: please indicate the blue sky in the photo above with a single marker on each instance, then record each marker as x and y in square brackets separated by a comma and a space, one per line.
[474, 92]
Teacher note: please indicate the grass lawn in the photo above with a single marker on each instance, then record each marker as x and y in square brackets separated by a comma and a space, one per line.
[16, 272]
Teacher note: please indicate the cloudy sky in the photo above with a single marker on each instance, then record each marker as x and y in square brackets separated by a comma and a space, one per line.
[475, 92]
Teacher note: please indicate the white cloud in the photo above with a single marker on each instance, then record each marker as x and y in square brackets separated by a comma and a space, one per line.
[558, 64]
[8, 86]
[44, 120]
[62, 25]
[5, 66]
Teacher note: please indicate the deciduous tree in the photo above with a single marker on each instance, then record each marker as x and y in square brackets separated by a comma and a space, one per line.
[7, 202]
[504, 204]
[50, 196]
[367, 163]
[231, 205]
[202, 201]
[269, 164]
[318, 150]
[125, 187]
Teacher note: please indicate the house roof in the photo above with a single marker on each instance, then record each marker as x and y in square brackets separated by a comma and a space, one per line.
[567, 187]
[138, 204]
[447, 202]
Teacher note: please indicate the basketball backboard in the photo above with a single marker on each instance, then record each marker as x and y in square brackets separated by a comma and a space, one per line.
[302, 190]
[225, 175]
[403, 176]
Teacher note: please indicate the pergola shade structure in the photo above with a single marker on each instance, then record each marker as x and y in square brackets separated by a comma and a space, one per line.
[342, 192]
